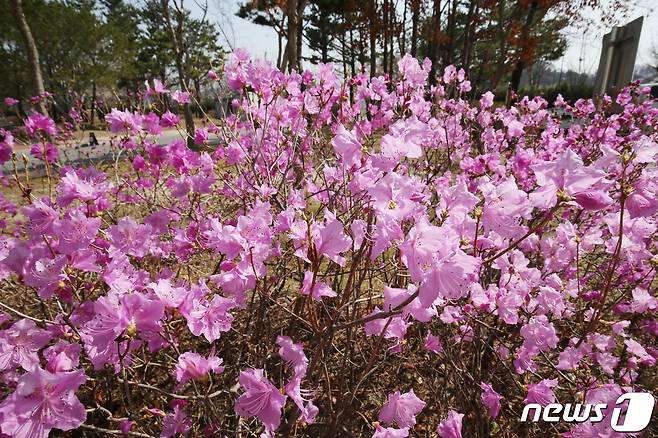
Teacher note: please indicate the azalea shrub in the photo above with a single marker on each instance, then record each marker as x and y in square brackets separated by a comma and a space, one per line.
[364, 257]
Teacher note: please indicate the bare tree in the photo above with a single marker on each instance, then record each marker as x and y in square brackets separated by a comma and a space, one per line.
[32, 52]
[292, 55]
[176, 29]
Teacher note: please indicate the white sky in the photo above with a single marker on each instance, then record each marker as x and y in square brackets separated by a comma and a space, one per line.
[582, 54]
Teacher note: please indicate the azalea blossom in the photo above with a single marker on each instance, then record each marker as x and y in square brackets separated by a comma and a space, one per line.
[192, 365]
[211, 318]
[43, 401]
[261, 399]
[390, 432]
[20, 343]
[491, 399]
[569, 177]
[542, 392]
[451, 427]
[401, 409]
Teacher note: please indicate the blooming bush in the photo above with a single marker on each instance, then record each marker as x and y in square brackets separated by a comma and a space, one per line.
[370, 257]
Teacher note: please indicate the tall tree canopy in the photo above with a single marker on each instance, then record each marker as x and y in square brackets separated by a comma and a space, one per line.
[87, 47]
[494, 40]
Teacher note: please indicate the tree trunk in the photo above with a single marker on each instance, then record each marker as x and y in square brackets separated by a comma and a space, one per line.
[279, 52]
[452, 27]
[468, 34]
[434, 32]
[93, 103]
[373, 37]
[385, 28]
[300, 32]
[415, 15]
[503, 33]
[292, 56]
[352, 54]
[176, 35]
[197, 93]
[391, 23]
[403, 39]
[32, 52]
[521, 62]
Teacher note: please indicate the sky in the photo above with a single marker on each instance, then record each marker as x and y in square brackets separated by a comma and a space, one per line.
[582, 55]
[584, 48]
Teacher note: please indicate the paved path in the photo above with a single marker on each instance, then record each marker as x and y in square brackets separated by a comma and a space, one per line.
[80, 154]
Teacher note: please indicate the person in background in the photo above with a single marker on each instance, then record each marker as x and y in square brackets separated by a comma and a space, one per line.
[93, 141]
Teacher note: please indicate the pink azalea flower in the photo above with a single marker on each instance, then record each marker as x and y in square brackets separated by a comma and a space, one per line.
[130, 237]
[541, 392]
[566, 174]
[84, 185]
[181, 97]
[319, 290]
[433, 344]
[261, 399]
[395, 329]
[151, 123]
[393, 297]
[412, 72]
[386, 231]
[6, 146]
[347, 146]
[593, 199]
[10, 101]
[47, 275]
[505, 205]
[169, 120]
[401, 409]
[636, 349]
[192, 366]
[127, 315]
[20, 343]
[125, 426]
[158, 88]
[45, 152]
[37, 122]
[643, 301]
[41, 402]
[451, 427]
[455, 199]
[200, 136]
[176, 422]
[607, 361]
[491, 399]
[539, 334]
[405, 138]
[419, 248]
[124, 122]
[389, 432]
[212, 75]
[293, 355]
[643, 202]
[41, 216]
[170, 295]
[514, 129]
[76, 232]
[394, 195]
[435, 260]
[331, 240]
[211, 318]
[63, 356]
[569, 358]
[487, 100]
